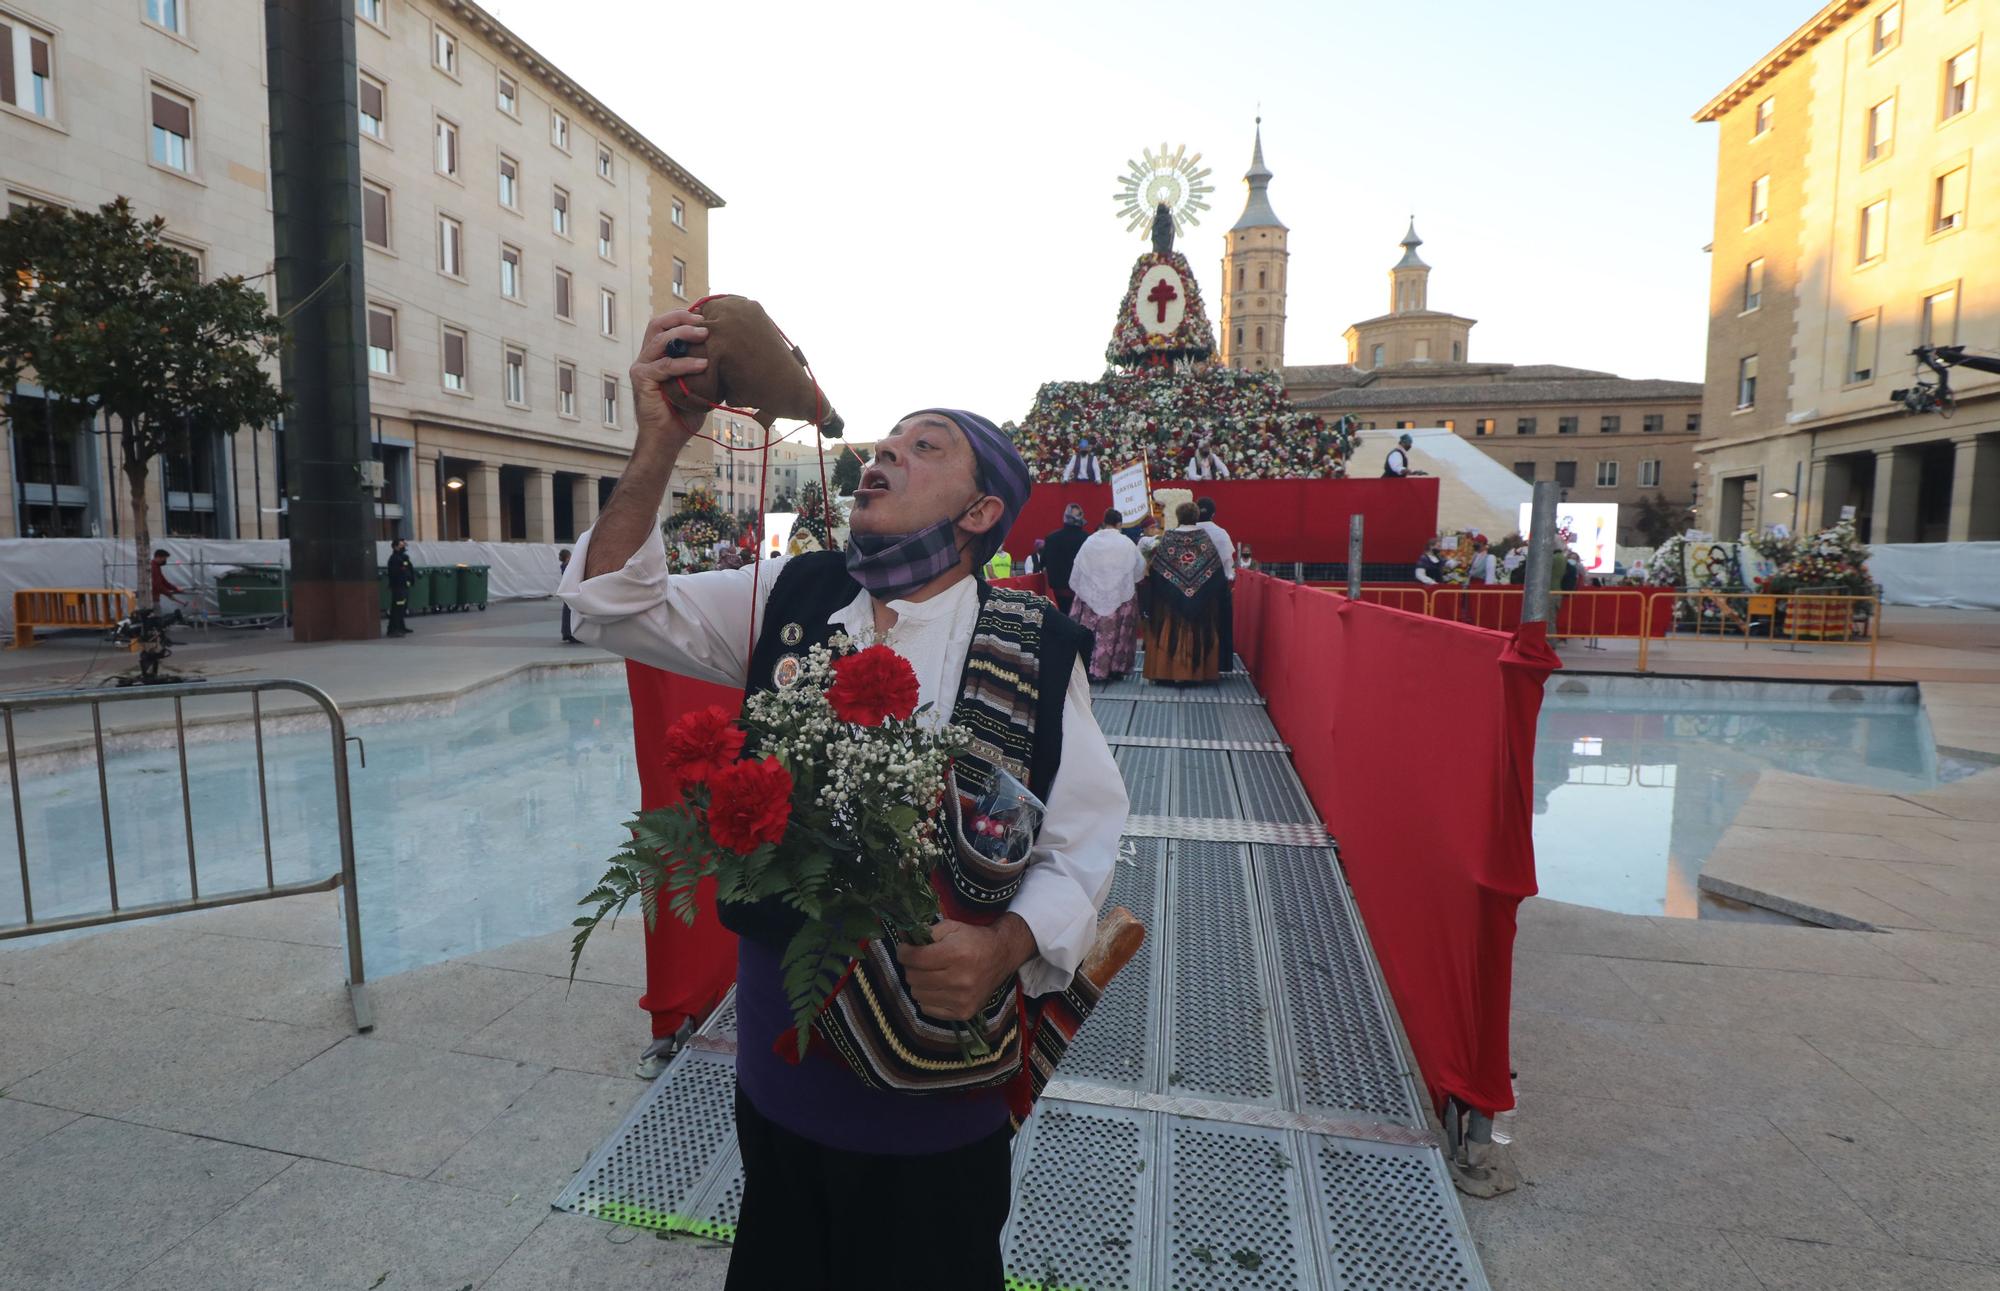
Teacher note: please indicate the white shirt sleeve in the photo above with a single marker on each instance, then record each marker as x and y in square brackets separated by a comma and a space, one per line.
[1070, 871]
[1424, 578]
[697, 625]
[1224, 545]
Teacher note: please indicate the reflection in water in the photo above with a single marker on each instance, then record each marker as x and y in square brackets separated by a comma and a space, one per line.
[1631, 800]
[470, 831]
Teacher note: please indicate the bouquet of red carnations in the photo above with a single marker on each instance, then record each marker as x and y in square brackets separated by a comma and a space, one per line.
[838, 814]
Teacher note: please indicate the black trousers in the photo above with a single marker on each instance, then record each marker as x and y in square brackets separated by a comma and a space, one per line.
[566, 632]
[399, 601]
[818, 1219]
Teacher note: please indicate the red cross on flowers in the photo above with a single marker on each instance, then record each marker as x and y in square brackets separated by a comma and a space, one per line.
[1162, 292]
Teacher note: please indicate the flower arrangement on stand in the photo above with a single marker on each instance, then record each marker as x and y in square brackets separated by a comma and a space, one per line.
[1163, 415]
[837, 813]
[1832, 560]
[809, 531]
[692, 531]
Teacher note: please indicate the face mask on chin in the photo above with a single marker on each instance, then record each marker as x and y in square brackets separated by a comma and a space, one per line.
[892, 565]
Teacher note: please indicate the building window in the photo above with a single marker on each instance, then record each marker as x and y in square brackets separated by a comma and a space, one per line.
[565, 308]
[507, 96]
[510, 183]
[604, 240]
[1377, 357]
[1948, 200]
[381, 341]
[1874, 232]
[1567, 425]
[603, 162]
[1746, 381]
[607, 311]
[374, 107]
[454, 360]
[680, 214]
[516, 369]
[447, 148]
[1260, 280]
[173, 131]
[1239, 338]
[1524, 425]
[166, 14]
[1406, 425]
[559, 213]
[1694, 423]
[1888, 30]
[558, 129]
[1766, 110]
[26, 68]
[1483, 425]
[1449, 424]
[1654, 423]
[1457, 351]
[1649, 473]
[1566, 474]
[1881, 133]
[369, 10]
[1607, 475]
[610, 401]
[444, 51]
[1753, 285]
[566, 388]
[1257, 335]
[1958, 84]
[1609, 424]
[1760, 199]
[510, 272]
[1861, 334]
[1526, 470]
[1940, 318]
[451, 247]
[1423, 354]
[680, 278]
[375, 214]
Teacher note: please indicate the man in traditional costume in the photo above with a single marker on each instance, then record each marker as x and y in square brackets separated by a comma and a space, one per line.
[1082, 466]
[1106, 580]
[1207, 463]
[881, 1158]
[1184, 595]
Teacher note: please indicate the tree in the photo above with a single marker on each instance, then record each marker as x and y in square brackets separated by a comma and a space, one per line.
[1658, 519]
[107, 313]
[847, 471]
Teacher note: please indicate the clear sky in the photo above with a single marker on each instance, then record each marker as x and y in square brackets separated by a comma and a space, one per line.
[921, 193]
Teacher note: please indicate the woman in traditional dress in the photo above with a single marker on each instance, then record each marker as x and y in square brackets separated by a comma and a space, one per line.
[1106, 579]
[1183, 604]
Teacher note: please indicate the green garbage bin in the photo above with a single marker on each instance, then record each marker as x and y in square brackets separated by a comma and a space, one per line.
[382, 580]
[419, 593]
[472, 580]
[444, 588]
[251, 592]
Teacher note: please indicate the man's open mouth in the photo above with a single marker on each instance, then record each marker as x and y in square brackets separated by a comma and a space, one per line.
[873, 481]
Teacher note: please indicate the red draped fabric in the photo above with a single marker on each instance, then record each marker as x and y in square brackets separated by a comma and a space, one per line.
[1279, 520]
[1415, 739]
[689, 968]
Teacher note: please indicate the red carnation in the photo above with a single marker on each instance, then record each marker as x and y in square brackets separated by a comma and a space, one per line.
[701, 745]
[749, 803]
[872, 686]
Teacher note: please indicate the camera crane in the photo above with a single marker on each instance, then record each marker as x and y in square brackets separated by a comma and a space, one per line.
[1936, 396]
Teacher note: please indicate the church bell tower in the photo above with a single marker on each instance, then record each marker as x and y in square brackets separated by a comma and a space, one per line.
[1253, 276]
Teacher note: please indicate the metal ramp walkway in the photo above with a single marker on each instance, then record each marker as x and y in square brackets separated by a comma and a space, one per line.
[1237, 1113]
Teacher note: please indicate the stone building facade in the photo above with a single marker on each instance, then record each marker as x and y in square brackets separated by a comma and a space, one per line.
[519, 234]
[1254, 260]
[1603, 437]
[1857, 185]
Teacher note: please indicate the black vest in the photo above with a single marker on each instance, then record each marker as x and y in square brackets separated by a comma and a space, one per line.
[809, 591]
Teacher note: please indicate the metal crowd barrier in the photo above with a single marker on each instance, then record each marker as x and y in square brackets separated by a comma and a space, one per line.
[1628, 613]
[343, 878]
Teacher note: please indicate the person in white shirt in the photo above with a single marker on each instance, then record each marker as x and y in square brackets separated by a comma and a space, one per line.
[1082, 466]
[1105, 579]
[1430, 569]
[1397, 466]
[1207, 463]
[1485, 567]
[1205, 507]
[824, 1152]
